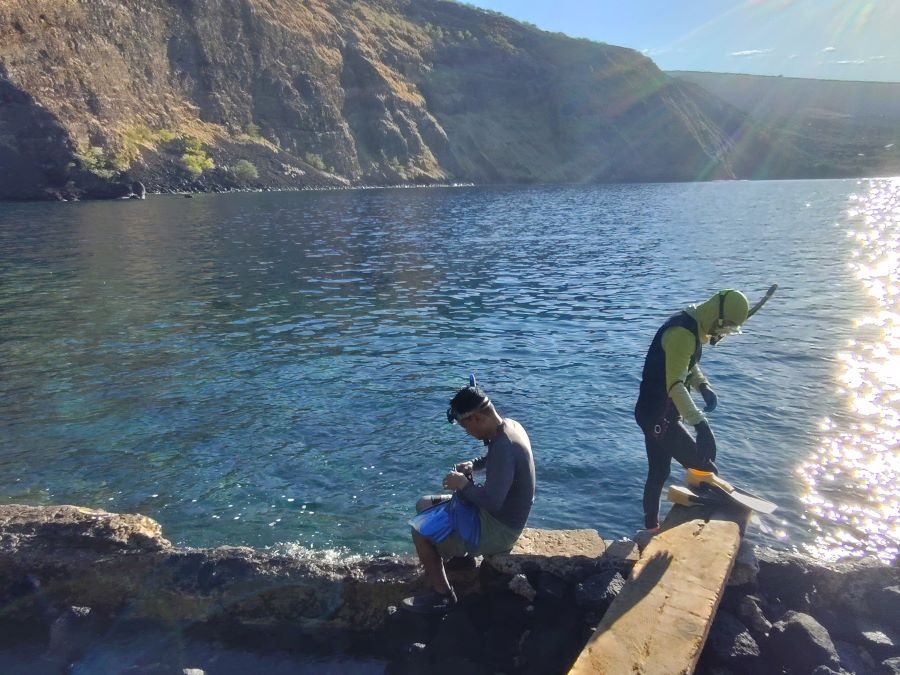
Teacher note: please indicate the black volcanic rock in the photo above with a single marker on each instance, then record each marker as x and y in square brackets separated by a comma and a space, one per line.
[800, 643]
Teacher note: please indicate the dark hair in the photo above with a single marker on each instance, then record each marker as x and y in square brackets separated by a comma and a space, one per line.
[468, 399]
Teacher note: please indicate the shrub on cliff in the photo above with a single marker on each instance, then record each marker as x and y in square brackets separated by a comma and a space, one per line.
[195, 159]
[315, 160]
[244, 170]
[136, 138]
[95, 160]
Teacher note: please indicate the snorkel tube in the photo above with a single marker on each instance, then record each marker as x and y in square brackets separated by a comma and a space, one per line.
[467, 402]
[758, 305]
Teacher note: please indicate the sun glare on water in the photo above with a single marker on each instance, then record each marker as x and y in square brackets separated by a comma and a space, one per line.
[853, 491]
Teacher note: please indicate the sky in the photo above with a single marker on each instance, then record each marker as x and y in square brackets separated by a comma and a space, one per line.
[824, 39]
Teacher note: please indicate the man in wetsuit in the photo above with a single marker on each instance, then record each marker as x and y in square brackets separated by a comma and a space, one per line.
[503, 501]
[671, 370]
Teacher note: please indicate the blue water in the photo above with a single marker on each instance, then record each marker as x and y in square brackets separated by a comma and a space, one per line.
[270, 369]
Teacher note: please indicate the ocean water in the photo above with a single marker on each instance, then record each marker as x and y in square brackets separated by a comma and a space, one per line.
[273, 369]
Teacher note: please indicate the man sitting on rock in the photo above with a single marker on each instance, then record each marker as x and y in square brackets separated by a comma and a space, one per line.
[499, 506]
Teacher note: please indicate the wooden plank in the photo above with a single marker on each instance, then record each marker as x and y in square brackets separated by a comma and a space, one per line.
[659, 622]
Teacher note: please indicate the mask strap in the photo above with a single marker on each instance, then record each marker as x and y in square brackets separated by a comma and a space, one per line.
[722, 295]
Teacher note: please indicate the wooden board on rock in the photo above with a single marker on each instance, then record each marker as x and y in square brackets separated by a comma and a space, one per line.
[659, 622]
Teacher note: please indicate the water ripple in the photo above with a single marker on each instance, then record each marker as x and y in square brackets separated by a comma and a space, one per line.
[273, 368]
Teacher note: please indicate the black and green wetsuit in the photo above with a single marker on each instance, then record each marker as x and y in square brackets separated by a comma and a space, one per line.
[671, 368]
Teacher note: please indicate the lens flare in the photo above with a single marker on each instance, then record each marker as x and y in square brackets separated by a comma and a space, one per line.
[853, 492]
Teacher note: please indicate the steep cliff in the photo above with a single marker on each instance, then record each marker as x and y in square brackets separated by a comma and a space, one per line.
[842, 128]
[213, 94]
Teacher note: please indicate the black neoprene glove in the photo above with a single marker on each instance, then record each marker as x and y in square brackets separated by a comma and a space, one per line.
[709, 397]
[706, 442]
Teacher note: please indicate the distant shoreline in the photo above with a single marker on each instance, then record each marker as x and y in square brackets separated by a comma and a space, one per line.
[453, 185]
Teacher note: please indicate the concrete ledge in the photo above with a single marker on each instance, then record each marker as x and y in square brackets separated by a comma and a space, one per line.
[564, 553]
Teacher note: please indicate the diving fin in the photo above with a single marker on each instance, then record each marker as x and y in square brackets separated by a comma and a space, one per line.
[678, 494]
[695, 478]
[706, 481]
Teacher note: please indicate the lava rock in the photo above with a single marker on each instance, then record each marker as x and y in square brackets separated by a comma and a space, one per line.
[598, 592]
[880, 644]
[855, 659]
[520, 586]
[801, 643]
[456, 636]
[746, 566]
[73, 632]
[748, 610]
[884, 604]
[890, 667]
[730, 645]
[785, 578]
[549, 647]
[413, 661]
[551, 588]
[507, 620]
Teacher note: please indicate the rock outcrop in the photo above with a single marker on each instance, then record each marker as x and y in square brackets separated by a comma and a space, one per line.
[69, 575]
[56, 558]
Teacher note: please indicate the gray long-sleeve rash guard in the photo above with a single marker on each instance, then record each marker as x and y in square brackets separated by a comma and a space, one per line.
[508, 489]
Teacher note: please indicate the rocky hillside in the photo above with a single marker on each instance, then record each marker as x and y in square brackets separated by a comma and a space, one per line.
[219, 94]
[844, 128]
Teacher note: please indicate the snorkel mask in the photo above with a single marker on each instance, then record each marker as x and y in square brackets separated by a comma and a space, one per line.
[467, 402]
[724, 327]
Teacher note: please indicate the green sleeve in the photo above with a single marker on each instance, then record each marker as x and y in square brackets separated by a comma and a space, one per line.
[696, 378]
[678, 345]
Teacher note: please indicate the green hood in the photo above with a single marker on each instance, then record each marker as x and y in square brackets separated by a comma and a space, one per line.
[735, 309]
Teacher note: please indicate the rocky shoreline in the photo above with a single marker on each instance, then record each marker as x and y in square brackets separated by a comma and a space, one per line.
[75, 583]
[128, 189]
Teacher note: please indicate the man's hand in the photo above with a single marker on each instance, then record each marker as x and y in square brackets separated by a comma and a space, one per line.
[466, 467]
[455, 481]
[706, 444]
[709, 397]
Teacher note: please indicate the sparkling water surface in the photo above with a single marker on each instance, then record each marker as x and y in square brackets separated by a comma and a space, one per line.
[273, 369]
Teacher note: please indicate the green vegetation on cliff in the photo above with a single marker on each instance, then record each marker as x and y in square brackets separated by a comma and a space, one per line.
[244, 170]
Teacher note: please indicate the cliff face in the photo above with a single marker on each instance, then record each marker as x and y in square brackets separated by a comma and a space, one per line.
[176, 93]
[843, 128]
